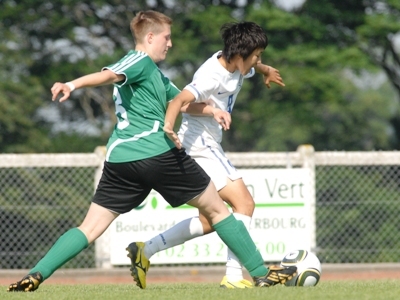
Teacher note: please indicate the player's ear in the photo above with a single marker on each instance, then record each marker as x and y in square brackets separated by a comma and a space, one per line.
[149, 38]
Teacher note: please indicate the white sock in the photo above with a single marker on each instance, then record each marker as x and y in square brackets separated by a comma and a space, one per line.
[234, 271]
[178, 234]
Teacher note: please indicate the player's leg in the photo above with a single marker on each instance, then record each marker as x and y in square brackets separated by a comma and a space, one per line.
[217, 166]
[238, 197]
[176, 235]
[179, 179]
[192, 227]
[66, 247]
[140, 253]
[169, 174]
[233, 191]
[236, 194]
[113, 196]
[122, 190]
[97, 220]
[235, 235]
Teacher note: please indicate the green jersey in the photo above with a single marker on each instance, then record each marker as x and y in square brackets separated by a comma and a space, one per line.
[140, 106]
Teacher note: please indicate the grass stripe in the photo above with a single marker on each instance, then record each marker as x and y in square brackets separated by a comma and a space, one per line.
[387, 289]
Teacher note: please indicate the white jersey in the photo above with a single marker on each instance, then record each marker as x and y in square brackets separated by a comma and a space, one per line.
[201, 135]
[216, 86]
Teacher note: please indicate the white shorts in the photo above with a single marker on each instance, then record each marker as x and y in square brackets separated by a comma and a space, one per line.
[214, 161]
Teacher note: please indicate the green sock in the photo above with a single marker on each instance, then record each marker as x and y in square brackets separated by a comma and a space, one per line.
[70, 244]
[235, 235]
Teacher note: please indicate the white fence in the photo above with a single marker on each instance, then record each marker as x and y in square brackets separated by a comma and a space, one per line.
[354, 203]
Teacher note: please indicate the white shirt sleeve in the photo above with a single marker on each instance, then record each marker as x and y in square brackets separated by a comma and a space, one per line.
[202, 88]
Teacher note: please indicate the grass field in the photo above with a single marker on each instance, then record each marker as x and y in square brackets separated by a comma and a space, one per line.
[338, 290]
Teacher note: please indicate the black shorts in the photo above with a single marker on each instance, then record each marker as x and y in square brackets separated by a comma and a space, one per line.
[174, 174]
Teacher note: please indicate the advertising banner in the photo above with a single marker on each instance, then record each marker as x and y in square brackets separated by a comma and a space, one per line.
[281, 221]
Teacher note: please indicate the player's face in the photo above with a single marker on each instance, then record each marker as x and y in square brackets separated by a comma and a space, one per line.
[161, 42]
[251, 61]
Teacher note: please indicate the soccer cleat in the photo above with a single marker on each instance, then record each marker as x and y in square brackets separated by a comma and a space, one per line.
[242, 284]
[275, 275]
[29, 283]
[139, 263]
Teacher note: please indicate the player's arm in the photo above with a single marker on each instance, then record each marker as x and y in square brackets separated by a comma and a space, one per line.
[202, 109]
[174, 108]
[91, 80]
[198, 109]
[270, 74]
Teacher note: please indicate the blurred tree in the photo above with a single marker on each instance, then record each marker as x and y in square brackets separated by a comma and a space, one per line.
[320, 105]
[19, 97]
[373, 28]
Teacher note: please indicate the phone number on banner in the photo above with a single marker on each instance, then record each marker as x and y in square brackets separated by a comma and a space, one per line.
[193, 252]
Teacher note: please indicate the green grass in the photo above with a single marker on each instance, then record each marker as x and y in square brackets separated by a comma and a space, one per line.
[338, 290]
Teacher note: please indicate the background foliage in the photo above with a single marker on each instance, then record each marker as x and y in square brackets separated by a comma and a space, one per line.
[340, 62]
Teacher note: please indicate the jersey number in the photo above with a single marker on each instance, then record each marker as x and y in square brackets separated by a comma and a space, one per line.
[120, 111]
[230, 102]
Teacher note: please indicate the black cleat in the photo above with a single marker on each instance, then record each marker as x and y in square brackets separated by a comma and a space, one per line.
[29, 283]
[275, 275]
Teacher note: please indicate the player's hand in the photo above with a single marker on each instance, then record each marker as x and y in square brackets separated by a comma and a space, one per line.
[60, 88]
[172, 136]
[223, 118]
[273, 76]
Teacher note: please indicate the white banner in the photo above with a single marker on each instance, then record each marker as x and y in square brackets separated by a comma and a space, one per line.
[280, 223]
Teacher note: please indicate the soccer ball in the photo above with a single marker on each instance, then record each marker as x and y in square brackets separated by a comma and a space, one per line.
[308, 268]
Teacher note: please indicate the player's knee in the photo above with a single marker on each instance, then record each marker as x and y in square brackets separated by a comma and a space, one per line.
[245, 207]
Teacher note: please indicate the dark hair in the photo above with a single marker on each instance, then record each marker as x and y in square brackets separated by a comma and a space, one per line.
[242, 39]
